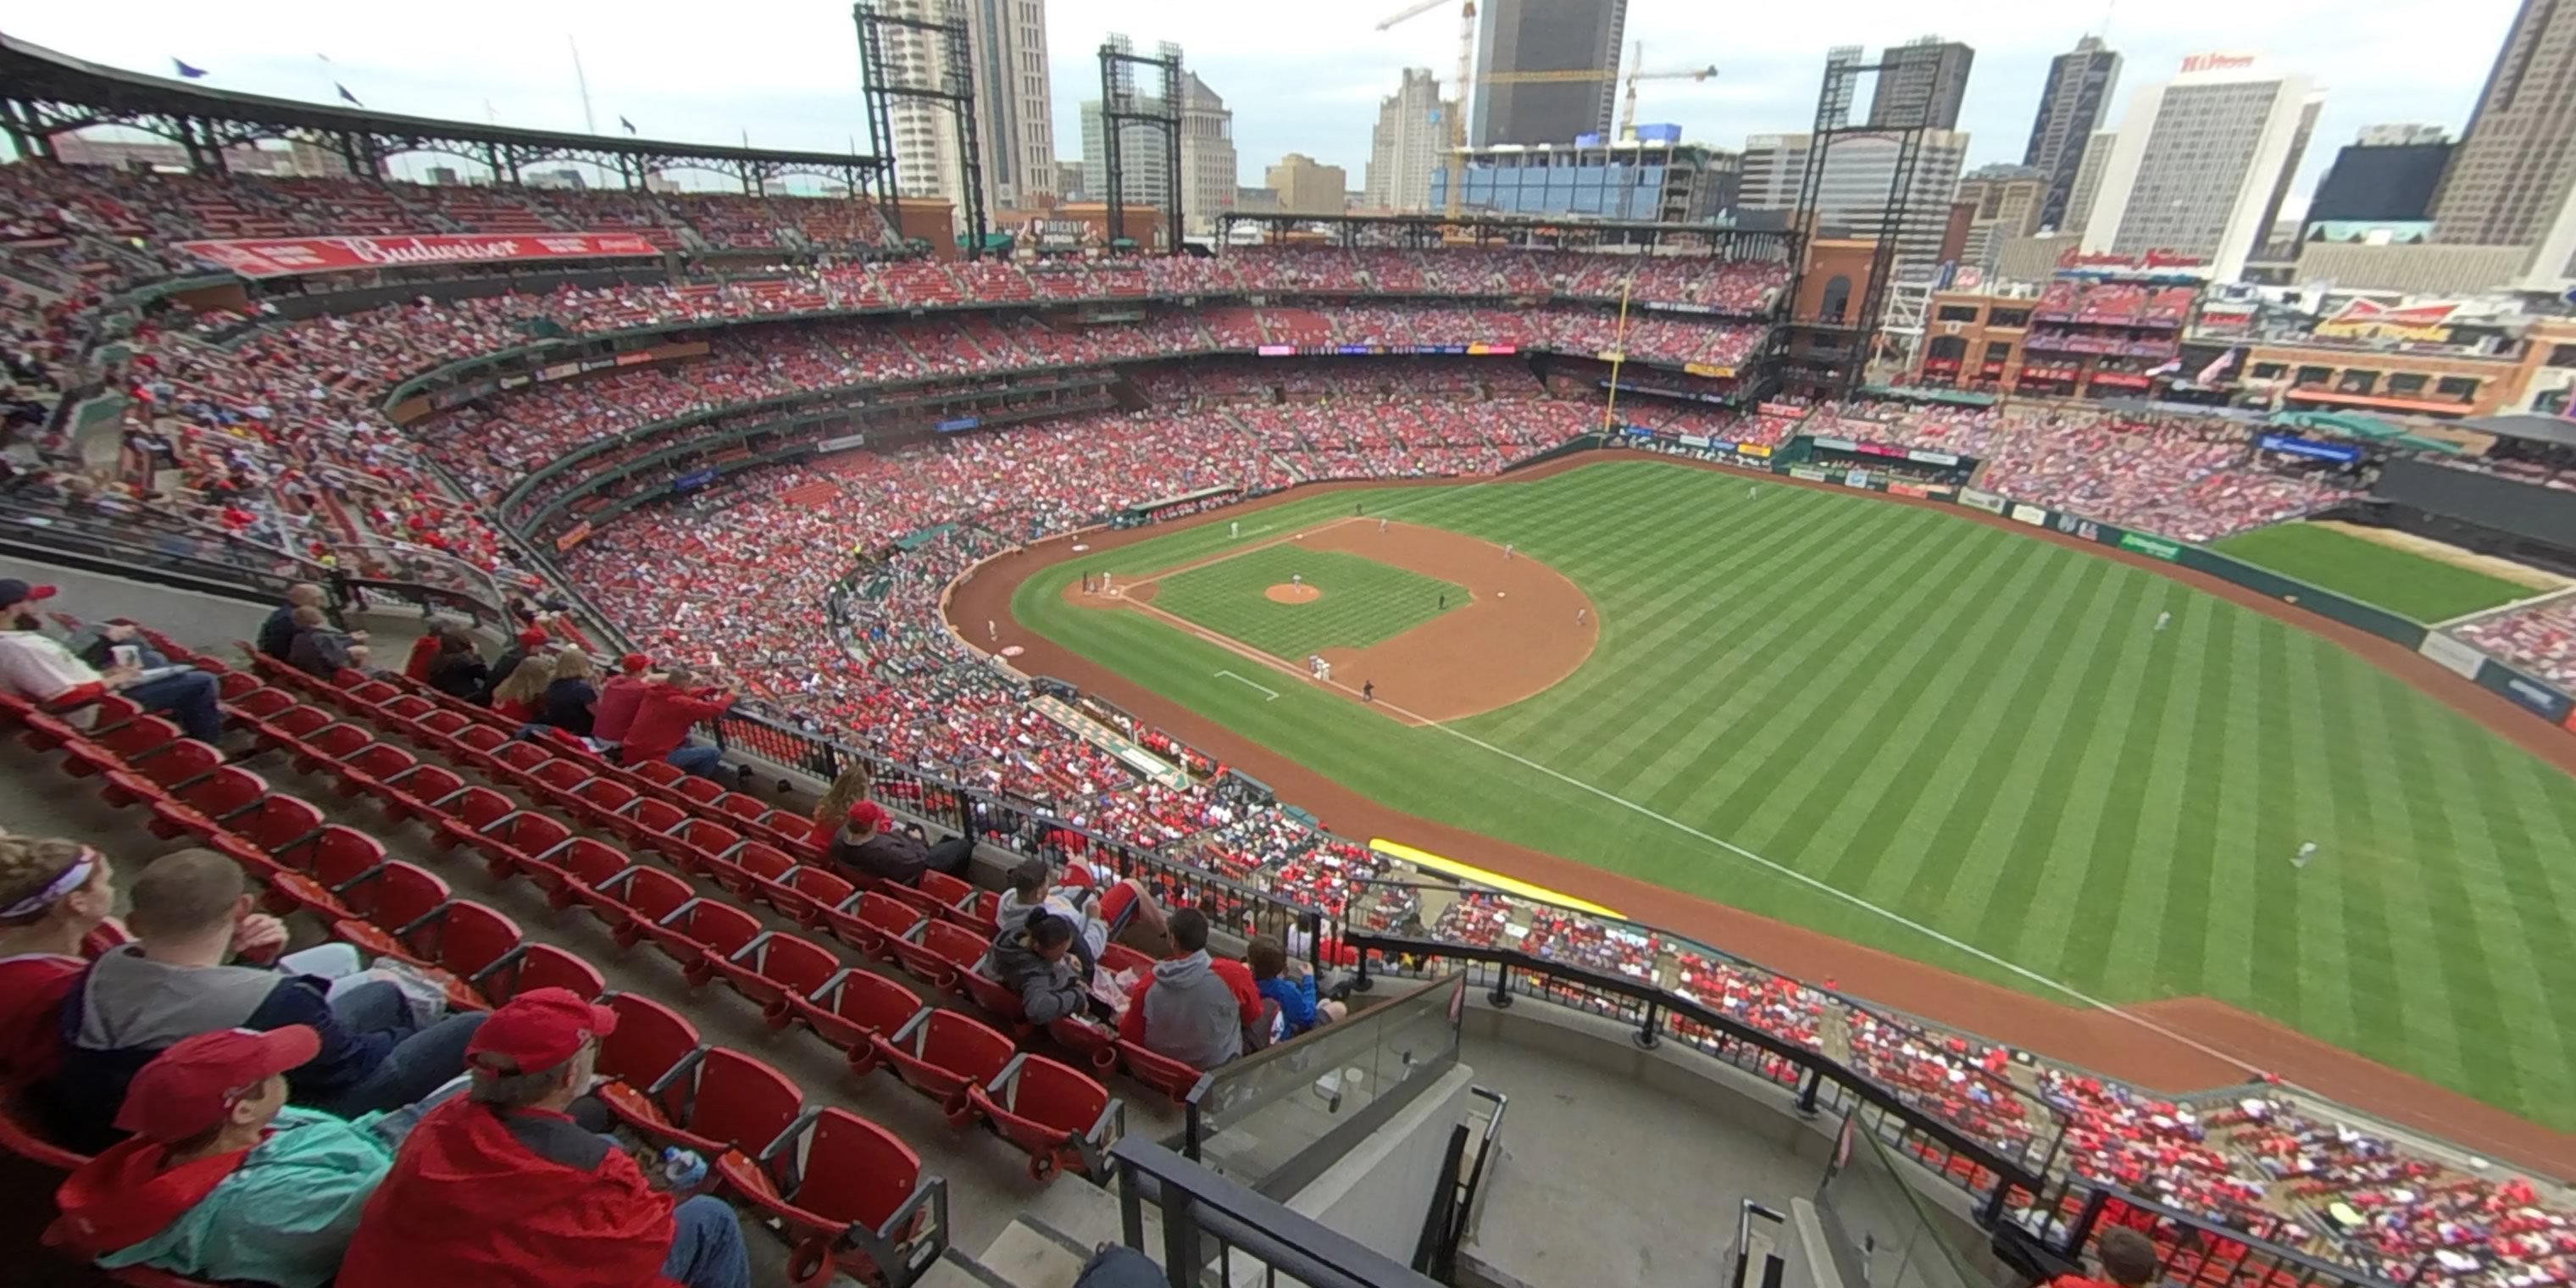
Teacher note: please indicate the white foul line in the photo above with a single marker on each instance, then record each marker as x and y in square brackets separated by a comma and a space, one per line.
[1274, 693]
[1803, 879]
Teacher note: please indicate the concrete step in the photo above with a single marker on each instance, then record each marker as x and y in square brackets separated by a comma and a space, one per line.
[1032, 1254]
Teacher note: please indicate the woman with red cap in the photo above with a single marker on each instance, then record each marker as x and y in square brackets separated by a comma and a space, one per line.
[500, 1186]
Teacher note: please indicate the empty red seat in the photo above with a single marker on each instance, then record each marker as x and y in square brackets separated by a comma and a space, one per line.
[777, 971]
[537, 966]
[807, 893]
[463, 938]
[517, 842]
[118, 747]
[642, 825]
[942, 1053]
[871, 922]
[559, 782]
[1160, 1072]
[394, 895]
[636, 898]
[1063, 1117]
[276, 823]
[850, 1197]
[697, 845]
[151, 776]
[854, 1007]
[367, 768]
[697, 931]
[601, 800]
[245, 710]
[289, 726]
[328, 745]
[948, 895]
[417, 792]
[720, 1100]
[462, 817]
[752, 869]
[1095, 1042]
[203, 808]
[572, 872]
[937, 952]
[320, 873]
[652, 1044]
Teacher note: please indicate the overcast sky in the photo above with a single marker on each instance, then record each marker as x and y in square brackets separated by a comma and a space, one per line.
[1300, 77]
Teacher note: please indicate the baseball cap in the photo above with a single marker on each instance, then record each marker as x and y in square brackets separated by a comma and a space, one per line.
[537, 1030]
[868, 816]
[634, 663]
[14, 591]
[532, 638]
[192, 1085]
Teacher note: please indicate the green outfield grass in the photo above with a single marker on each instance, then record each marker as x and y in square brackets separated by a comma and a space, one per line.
[1363, 601]
[2427, 590]
[1980, 733]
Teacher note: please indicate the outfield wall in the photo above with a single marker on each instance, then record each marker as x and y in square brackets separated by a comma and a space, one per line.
[2526, 691]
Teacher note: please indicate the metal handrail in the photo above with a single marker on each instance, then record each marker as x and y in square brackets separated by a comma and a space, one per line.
[1199, 1205]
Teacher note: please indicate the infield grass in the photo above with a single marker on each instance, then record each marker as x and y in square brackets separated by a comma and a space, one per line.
[1363, 601]
[1981, 733]
[2427, 590]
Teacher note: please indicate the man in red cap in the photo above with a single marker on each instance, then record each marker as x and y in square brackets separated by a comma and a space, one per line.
[531, 641]
[870, 843]
[618, 699]
[222, 1179]
[499, 1188]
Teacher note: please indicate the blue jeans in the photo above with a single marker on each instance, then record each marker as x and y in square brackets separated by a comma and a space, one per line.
[701, 761]
[420, 1062]
[706, 1246]
[189, 699]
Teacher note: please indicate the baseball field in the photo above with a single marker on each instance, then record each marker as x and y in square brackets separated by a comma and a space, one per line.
[1961, 744]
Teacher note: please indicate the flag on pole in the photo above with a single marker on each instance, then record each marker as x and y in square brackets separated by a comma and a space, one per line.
[344, 93]
[2167, 369]
[2210, 374]
[630, 125]
[187, 72]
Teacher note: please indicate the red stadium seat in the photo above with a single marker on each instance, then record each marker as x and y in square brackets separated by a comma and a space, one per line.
[871, 922]
[699, 934]
[854, 1007]
[937, 952]
[209, 805]
[850, 1197]
[537, 966]
[572, 872]
[1160, 1072]
[719, 1100]
[636, 898]
[1061, 1116]
[942, 1053]
[462, 817]
[319, 872]
[518, 842]
[777, 971]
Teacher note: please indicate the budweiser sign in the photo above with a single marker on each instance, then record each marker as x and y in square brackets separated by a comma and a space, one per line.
[287, 256]
[2365, 320]
[2144, 262]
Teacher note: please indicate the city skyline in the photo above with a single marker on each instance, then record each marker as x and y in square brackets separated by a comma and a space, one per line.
[1310, 83]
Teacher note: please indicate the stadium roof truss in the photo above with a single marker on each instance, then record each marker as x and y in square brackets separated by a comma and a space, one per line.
[43, 94]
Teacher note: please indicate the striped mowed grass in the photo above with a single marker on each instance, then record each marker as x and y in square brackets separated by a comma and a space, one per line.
[1360, 601]
[1981, 734]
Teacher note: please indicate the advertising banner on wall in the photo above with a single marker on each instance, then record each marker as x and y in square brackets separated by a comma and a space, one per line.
[2076, 525]
[2030, 514]
[1809, 473]
[1753, 449]
[1856, 478]
[2452, 654]
[2540, 699]
[2149, 546]
[288, 256]
[1986, 501]
[2310, 448]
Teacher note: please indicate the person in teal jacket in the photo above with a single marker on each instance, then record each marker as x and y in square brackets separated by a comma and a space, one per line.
[222, 1179]
[1290, 984]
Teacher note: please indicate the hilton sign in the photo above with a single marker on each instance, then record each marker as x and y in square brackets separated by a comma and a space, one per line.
[2216, 62]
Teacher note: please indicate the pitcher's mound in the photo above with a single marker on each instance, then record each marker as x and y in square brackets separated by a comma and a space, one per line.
[1288, 594]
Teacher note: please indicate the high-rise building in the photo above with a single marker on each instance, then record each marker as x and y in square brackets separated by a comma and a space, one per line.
[1531, 36]
[1921, 82]
[2512, 180]
[2088, 182]
[1141, 160]
[1412, 135]
[1068, 181]
[1013, 105]
[1207, 155]
[926, 159]
[1666, 180]
[1307, 187]
[2010, 197]
[2080, 84]
[2388, 176]
[1838, 113]
[1852, 195]
[2202, 163]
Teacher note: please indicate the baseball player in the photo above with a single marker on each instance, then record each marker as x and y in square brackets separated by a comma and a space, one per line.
[2307, 854]
[1233, 529]
[1296, 579]
[2163, 620]
[1381, 523]
[991, 631]
[1368, 690]
[1507, 550]
[1581, 615]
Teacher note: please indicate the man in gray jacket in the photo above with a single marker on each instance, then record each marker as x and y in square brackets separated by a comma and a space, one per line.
[1200, 1010]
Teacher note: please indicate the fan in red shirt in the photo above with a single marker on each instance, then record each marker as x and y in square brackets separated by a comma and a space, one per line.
[619, 698]
[54, 901]
[2128, 1259]
[498, 1188]
[662, 720]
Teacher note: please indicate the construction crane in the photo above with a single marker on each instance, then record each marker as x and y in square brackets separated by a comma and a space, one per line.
[1457, 167]
[1636, 73]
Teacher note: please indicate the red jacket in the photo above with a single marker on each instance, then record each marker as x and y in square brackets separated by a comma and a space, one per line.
[614, 714]
[480, 1198]
[32, 989]
[662, 720]
[423, 652]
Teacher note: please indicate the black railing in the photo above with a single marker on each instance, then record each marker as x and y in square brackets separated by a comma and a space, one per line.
[1215, 1227]
[2194, 1251]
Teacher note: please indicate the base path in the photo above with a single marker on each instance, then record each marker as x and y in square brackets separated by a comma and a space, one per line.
[2224, 1044]
[1525, 627]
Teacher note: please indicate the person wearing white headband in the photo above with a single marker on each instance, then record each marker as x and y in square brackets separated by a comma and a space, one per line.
[54, 900]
